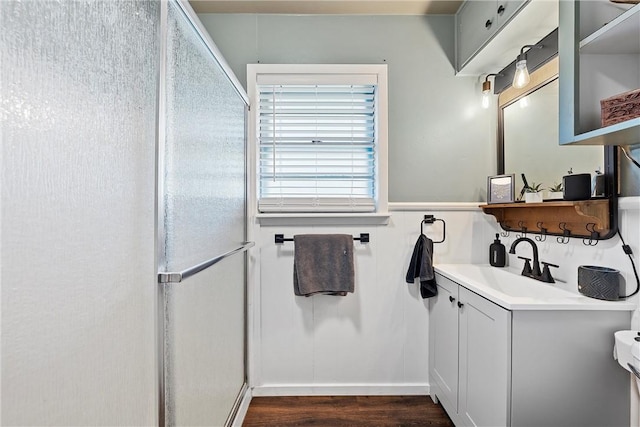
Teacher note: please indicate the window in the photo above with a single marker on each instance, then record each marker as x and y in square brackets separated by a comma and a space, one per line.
[320, 137]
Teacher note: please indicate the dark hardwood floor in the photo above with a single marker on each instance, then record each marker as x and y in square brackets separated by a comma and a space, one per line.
[345, 411]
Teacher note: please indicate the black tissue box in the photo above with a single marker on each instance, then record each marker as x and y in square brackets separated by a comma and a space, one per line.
[576, 186]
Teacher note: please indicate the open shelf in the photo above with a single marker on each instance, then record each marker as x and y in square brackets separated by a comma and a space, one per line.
[580, 218]
[617, 37]
[623, 133]
[601, 65]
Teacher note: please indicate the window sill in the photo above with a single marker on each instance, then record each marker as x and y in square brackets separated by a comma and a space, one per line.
[280, 219]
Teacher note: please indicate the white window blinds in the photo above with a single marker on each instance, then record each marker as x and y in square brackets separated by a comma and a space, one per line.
[317, 146]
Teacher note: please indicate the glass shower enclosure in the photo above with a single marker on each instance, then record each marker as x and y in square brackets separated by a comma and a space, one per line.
[201, 227]
[122, 216]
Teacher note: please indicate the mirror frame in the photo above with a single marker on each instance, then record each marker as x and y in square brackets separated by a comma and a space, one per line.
[539, 78]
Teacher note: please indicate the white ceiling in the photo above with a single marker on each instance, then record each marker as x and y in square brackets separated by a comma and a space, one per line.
[348, 7]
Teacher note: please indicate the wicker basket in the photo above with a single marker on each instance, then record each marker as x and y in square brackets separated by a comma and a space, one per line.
[620, 108]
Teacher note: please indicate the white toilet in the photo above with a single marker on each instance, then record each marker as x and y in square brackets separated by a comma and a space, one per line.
[626, 351]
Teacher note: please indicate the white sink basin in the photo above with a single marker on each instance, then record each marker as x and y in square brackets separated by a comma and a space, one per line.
[515, 292]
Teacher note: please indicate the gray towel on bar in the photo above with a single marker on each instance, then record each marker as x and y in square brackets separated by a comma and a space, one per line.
[421, 266]
[323, 264]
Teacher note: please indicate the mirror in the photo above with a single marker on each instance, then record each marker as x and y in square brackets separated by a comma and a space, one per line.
[528, 136]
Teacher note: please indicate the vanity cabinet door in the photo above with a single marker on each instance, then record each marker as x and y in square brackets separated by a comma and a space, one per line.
[443, 342]
[484, 361]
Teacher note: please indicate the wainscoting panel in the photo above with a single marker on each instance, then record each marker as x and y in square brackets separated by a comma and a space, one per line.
[375, 341]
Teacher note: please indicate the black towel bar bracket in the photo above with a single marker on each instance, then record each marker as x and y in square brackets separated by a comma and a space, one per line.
[430, 219]
[279, 238]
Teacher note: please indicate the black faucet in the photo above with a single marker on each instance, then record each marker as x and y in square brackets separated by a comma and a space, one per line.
[533, 271]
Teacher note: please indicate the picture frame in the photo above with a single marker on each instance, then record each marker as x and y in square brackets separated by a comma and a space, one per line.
[501, 189]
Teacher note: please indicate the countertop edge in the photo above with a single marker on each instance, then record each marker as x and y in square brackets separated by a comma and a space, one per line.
[578, 302]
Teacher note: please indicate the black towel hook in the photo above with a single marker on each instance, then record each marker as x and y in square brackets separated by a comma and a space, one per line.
[430, 219]
[594, 236]
[543, 232]
[566, 233]
[523, 230]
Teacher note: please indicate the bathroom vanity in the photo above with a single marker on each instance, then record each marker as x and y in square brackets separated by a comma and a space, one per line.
[506, 350]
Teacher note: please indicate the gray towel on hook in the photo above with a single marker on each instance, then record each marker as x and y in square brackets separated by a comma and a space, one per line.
[421, 266]
[323, 264]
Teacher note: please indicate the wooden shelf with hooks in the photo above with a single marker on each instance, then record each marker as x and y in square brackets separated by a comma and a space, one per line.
[581, 218]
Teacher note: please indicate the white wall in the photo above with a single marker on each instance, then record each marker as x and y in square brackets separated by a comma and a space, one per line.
[375, 341]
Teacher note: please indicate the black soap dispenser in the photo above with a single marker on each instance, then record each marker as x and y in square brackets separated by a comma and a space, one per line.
[497, 253]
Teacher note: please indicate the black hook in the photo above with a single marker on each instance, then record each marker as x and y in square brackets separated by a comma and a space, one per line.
[504, 233]
[594, 237]
[523, 229]
[566, 233]
[543, 232]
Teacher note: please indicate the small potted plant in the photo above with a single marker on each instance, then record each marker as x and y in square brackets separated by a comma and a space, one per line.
[555, 192]
[532, 193]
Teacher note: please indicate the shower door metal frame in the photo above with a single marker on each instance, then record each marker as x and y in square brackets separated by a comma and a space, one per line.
[161, 259]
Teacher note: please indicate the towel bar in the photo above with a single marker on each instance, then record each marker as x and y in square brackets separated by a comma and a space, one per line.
[279, 238]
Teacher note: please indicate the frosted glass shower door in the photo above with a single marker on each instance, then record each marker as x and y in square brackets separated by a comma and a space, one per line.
[202, 180]
[78, 108]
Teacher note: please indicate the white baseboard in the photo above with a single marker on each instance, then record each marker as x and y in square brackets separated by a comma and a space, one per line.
[242, 409]
[342, 390]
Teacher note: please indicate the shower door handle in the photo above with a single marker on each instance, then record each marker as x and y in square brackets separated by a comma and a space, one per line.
[177, 277]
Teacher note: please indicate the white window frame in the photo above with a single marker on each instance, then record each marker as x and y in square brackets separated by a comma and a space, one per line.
[312, 74]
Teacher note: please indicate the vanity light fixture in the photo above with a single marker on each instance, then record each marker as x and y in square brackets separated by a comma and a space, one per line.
[521, 76]
[486, 90]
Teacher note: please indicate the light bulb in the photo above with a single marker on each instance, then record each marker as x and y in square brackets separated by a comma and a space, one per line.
[486, 92]
[521, 76]
[486, 99]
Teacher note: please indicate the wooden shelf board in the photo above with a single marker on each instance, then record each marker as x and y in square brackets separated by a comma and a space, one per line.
[522, 205]
[581, 217]
[547, 204]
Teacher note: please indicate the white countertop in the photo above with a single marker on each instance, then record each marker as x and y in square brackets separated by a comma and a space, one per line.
[515, 292]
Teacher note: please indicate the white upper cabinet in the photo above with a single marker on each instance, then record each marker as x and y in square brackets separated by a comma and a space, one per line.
[475, 25]
[479, 21]
[505, 9]
[490, 33]
[602, 61]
